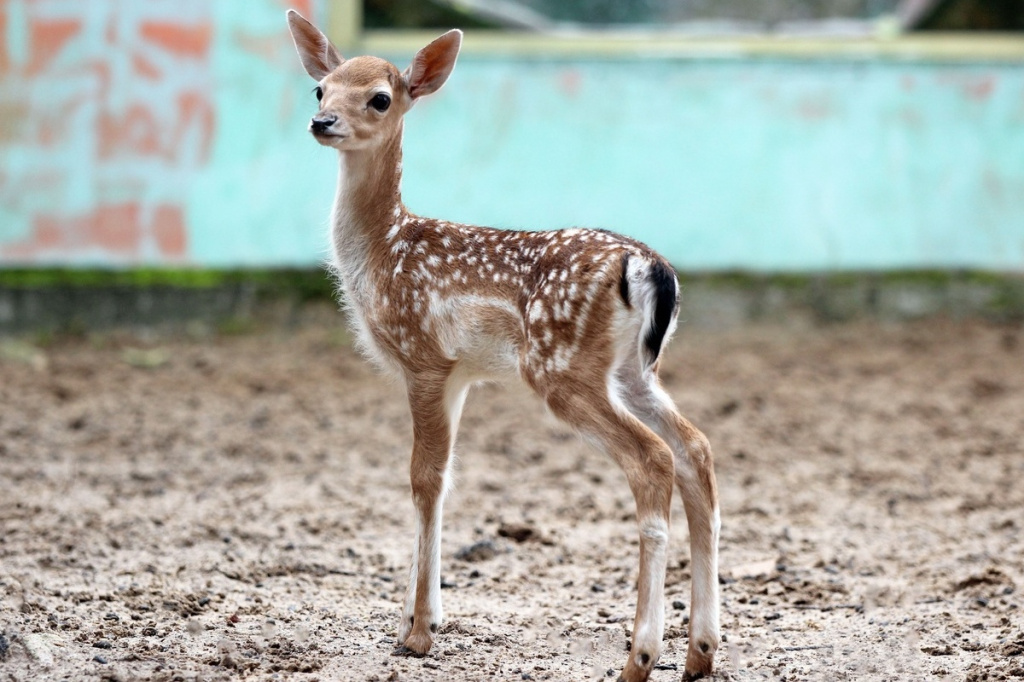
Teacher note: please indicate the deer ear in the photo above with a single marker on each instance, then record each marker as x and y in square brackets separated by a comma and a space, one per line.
[318, 55]
[433, 64]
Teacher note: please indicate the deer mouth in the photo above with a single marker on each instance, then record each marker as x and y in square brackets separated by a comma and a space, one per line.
[324, 134]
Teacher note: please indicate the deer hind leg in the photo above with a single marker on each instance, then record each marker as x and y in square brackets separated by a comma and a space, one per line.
[695, 478]
[647, 463]
[436, 402]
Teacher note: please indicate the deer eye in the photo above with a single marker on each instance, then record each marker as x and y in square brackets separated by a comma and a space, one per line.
[319, 92]
[380, 102]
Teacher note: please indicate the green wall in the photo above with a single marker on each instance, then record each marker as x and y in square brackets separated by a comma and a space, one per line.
[131, 134]
[766, 164]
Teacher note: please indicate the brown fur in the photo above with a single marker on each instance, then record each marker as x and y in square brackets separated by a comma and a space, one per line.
[443, 305]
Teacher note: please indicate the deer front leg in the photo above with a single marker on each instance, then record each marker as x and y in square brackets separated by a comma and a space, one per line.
[409, 605]
[422, 612]
[436, 406]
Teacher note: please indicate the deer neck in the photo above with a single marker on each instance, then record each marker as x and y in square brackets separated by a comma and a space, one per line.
[368, 202]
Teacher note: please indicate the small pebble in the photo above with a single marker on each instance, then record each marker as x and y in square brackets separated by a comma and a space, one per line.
[99, 659]
[478, 551]
[517, 532]
[102, 644]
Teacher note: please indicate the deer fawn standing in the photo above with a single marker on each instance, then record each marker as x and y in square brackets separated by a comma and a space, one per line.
[580, 315]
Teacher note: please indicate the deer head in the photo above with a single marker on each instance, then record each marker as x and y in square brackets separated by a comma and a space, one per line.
[362, 100]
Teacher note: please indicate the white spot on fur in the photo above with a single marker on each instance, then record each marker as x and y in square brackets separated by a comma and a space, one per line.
[536, 310]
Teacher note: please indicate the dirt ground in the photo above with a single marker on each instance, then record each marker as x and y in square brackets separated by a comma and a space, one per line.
[220, 507]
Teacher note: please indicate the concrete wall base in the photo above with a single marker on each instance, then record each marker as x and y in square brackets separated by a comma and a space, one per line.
[709, 300]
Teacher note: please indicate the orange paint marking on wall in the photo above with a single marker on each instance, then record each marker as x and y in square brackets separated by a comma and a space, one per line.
[570, 82]
[48, 127]
[975, 87]
[303, 7]
[169, 231]
[48, 235]
[15, 121]
[262, 46]
[814, 108]
[135, 133]
[47, 38]
[980, 89]
[145, 68]
[141, 132]
[49, 131]
[139, 88]
[117, 230]
[104, 78]
[114, 228]
[110, 31]
[194, 110]
[186, 41]
[4, 65]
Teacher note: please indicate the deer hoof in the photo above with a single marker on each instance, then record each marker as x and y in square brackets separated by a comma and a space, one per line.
[419, 641]
[700, 661]
[638, 668]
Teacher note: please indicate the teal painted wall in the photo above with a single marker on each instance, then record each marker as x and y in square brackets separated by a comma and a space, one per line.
[762, 164]
[173, 133]
[156, 132]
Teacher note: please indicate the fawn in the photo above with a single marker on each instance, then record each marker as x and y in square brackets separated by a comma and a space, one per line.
[580, 315]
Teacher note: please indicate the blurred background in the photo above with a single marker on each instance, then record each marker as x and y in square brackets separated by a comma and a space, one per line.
[159, 142]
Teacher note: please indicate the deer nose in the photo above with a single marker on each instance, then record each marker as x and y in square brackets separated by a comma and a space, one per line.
[321, 123]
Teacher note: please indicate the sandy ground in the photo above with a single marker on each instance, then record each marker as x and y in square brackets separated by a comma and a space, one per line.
[236, 507]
